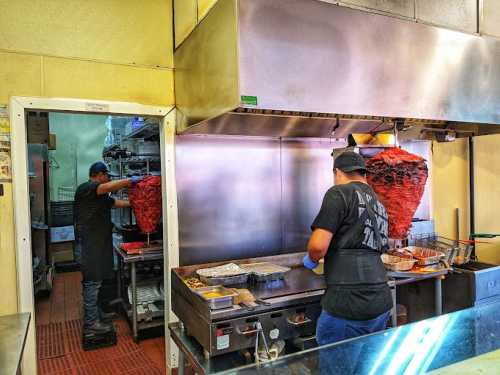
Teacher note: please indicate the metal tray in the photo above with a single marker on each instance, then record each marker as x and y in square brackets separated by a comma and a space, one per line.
[265, 271]
[225, 280]
[215, 303]
[394, 263]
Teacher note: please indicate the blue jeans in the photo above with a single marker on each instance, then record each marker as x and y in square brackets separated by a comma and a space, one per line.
[344, 360]
[90, 297]
[330, 329]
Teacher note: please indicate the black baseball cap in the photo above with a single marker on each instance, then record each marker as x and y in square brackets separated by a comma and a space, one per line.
[349, 161]
[98, 167]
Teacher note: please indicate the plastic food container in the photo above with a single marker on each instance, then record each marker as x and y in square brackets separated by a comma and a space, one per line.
[216, 297]
[394, 263]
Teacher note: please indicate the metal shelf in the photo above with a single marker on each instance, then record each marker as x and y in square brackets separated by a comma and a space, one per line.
[148, 131]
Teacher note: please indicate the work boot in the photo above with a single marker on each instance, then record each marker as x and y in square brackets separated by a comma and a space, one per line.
[98, 328]
[107, 317]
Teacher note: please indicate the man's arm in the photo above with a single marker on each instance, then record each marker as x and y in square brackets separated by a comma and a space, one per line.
[120, 203]
[112, 186]
[318, 244]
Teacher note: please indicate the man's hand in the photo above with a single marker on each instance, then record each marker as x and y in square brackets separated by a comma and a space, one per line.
[309, 263]
[318, 244]
[136, 179]
[112, 186]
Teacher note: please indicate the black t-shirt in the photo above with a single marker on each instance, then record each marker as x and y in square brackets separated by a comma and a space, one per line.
[342, 208]
[93, 226]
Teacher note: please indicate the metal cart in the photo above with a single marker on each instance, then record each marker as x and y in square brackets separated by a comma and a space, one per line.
[138, 320]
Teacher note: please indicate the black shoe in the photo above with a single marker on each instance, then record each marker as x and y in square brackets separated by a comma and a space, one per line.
[98, 328]
[107, 317]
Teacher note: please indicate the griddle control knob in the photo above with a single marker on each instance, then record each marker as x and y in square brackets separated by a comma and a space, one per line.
[274, 334]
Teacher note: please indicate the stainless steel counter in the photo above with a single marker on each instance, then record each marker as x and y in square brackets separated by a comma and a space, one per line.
[13, 331]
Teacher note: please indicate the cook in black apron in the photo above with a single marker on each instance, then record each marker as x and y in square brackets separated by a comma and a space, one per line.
[93, 236]
[350, 233]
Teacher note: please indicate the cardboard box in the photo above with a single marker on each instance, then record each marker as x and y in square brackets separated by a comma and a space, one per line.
[38, 127]
[61, 252]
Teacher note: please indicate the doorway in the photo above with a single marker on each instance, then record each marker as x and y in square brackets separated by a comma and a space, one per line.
[46, 250]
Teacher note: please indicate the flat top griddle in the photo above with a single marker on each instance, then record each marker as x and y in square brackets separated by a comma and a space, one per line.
[298, 280]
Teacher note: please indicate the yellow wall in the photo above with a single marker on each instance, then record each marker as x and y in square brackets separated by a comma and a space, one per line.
[487, 183]
[111, 50]
[188, 13]
[450, 187]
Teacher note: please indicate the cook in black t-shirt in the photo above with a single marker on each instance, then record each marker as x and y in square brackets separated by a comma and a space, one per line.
[93, 227]
[350, 232]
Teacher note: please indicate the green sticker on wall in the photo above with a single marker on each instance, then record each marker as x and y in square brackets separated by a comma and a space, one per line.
[248, 100]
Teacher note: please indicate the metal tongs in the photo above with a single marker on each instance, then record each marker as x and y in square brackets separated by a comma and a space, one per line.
[260, 332]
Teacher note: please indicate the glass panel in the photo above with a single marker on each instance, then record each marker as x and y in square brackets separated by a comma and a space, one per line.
[411, 349]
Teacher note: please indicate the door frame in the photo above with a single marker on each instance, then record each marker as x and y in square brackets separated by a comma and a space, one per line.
[19, 154]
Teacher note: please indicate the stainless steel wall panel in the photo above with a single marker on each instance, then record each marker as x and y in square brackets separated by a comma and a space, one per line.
[457, 14]
[489, 20]
[229, 195]
[307, 173]
[404, 8]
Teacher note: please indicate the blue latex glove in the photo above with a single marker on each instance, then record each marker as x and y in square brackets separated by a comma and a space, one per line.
[309, 263]
[136, 179]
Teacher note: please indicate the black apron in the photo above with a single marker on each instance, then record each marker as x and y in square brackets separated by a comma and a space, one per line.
[94, 228]
[356, 266]
[96, 253]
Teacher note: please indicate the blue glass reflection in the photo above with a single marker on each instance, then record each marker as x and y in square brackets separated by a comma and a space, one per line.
[411, 349]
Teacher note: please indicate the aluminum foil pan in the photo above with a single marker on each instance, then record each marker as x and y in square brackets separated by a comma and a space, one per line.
[394, 263]
[265, 271]
[226, 270]
[425, 256]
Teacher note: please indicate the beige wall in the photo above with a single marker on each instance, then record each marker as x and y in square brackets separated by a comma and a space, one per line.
[487, 183]
[111, 50]
[450, 189]
[450, 186]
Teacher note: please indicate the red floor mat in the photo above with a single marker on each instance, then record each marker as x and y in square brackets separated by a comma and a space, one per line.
[50, 340]
[59, 345]
[60, 352]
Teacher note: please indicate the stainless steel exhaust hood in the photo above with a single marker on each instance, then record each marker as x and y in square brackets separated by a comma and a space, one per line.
[305, 68]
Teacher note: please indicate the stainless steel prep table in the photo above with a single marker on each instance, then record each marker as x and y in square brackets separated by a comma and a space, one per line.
[300, 288]
[191, 352]
[13, 331]
[133, 259]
